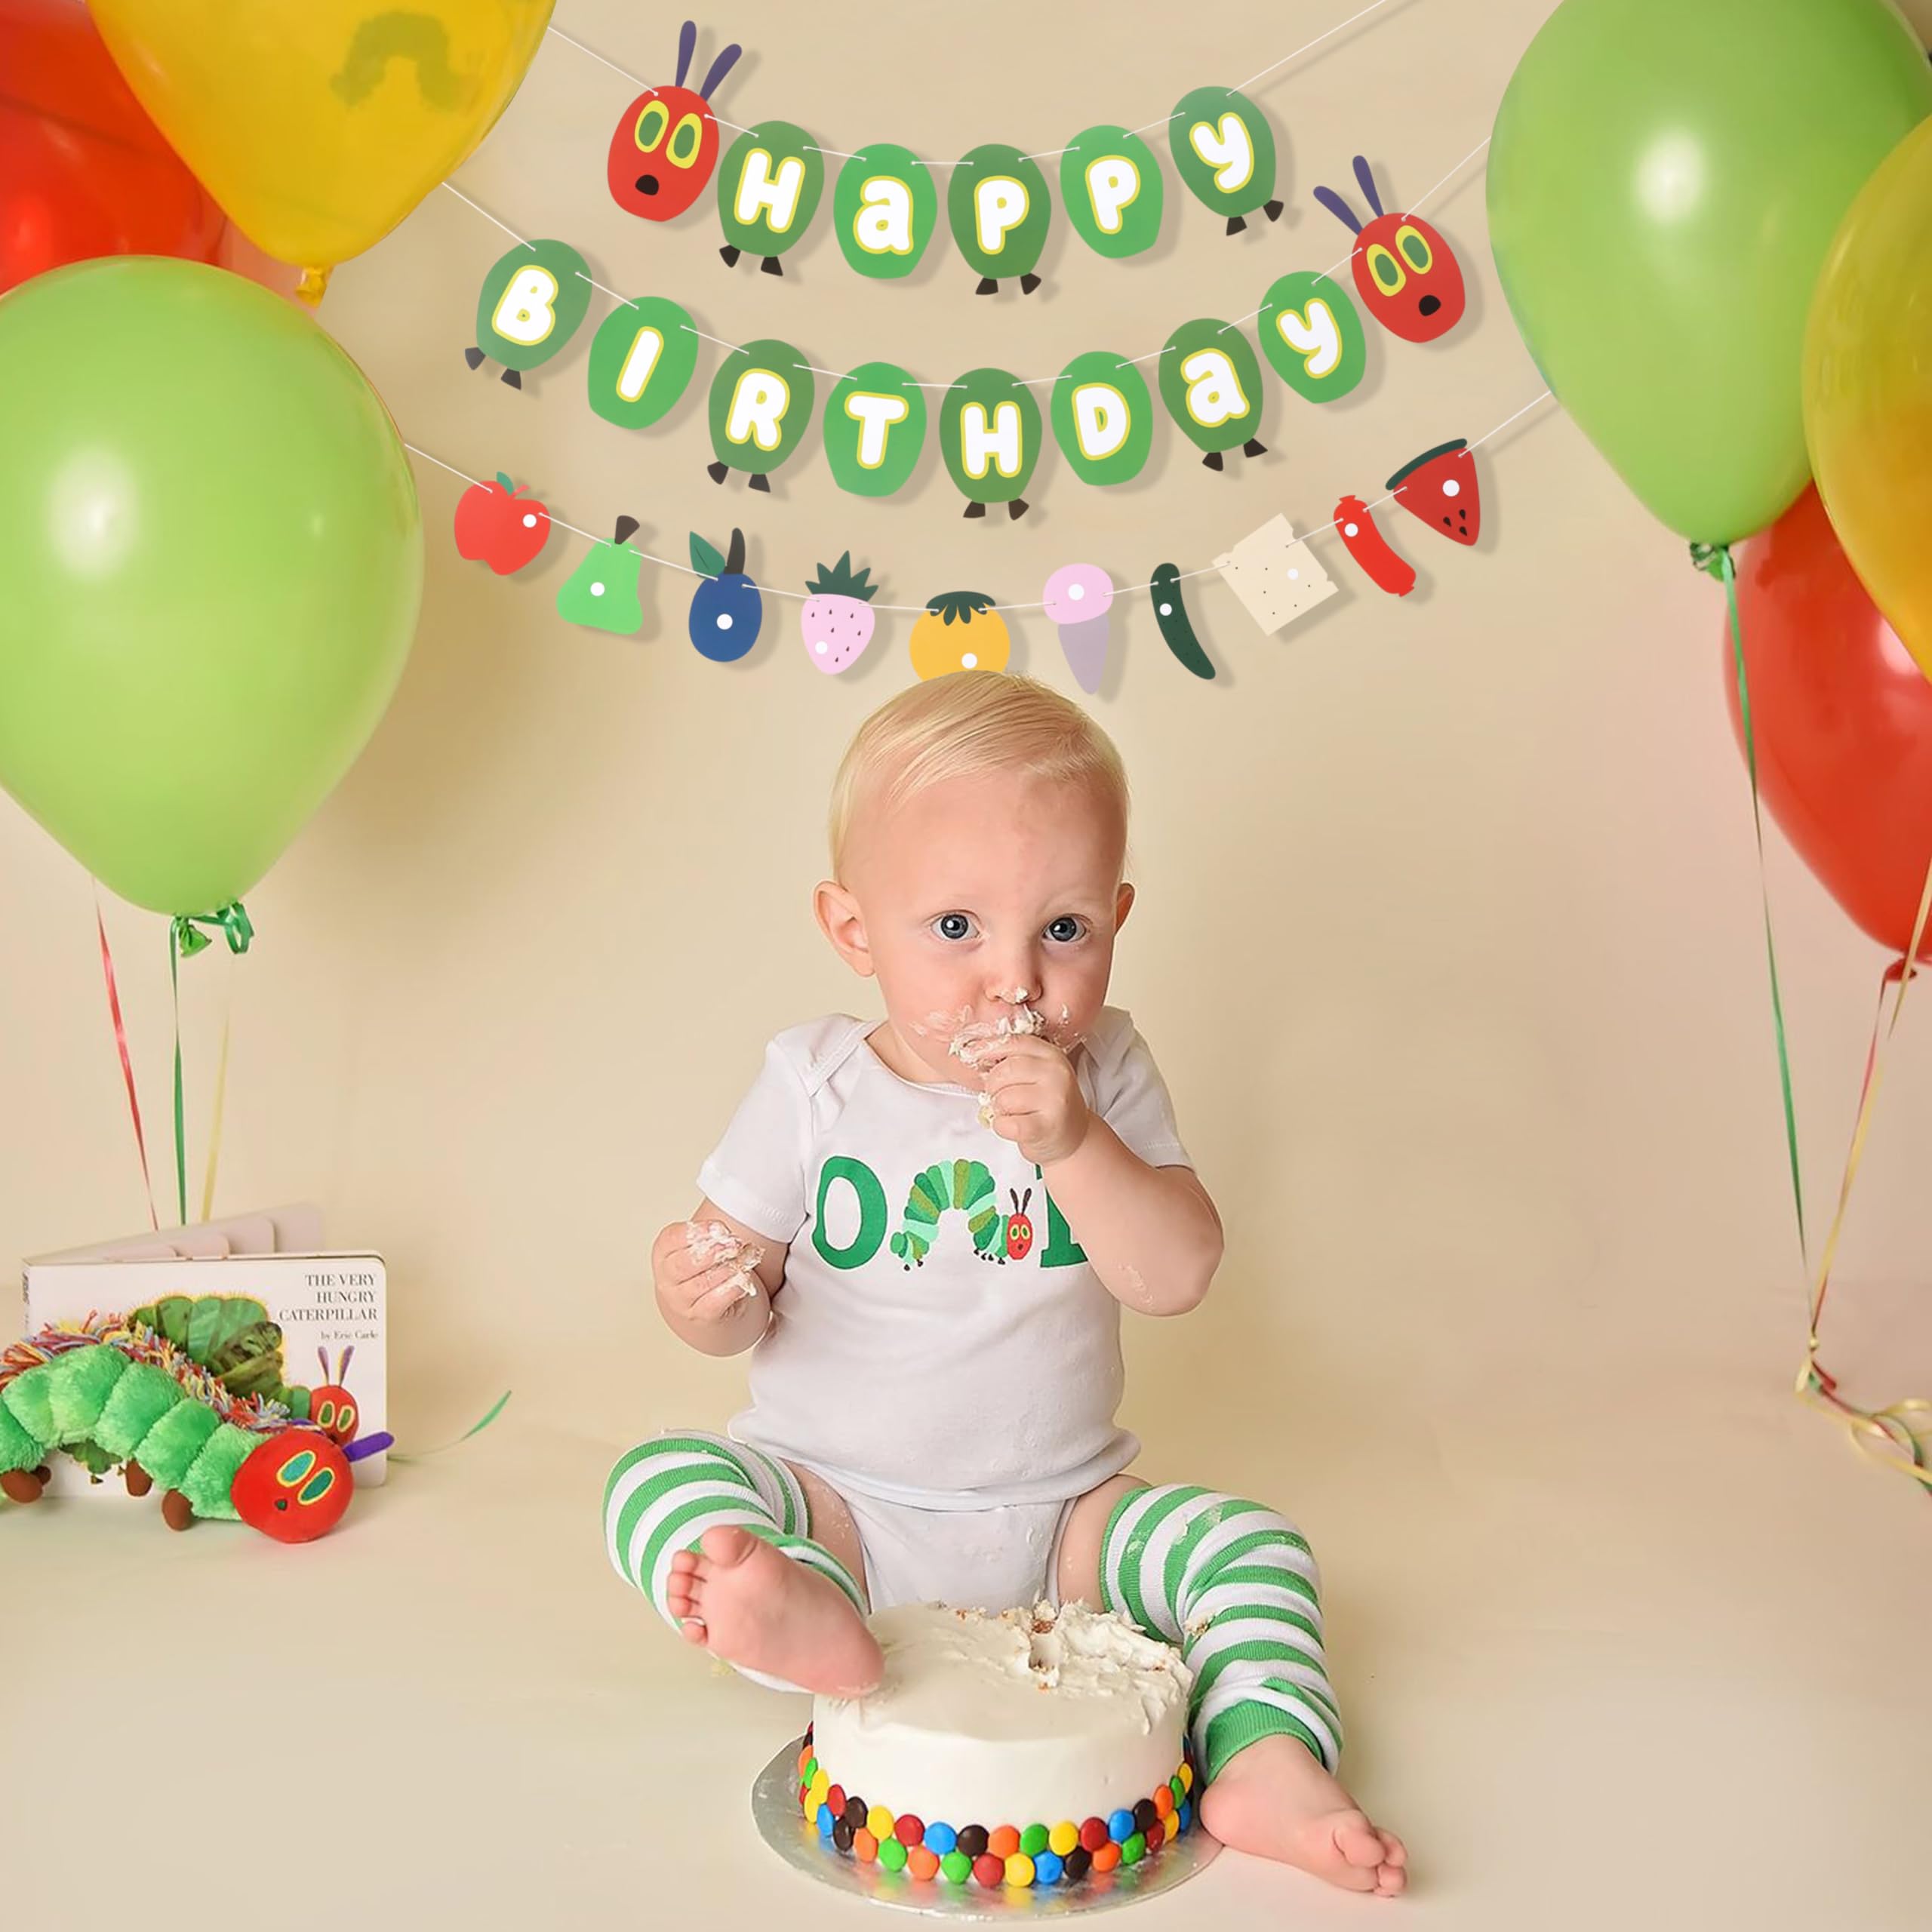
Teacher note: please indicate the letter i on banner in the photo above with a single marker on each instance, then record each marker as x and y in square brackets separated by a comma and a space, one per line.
[989, 435]
[531, 305]
[1103, 417]
[761, 406]
[999, 209]
[1211, 381]
[768, 190]
[1112, 188]
[875, 428]
[642, 358]
[886, 209]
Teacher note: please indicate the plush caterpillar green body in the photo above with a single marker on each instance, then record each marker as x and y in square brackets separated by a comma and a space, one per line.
[114, 1392]
[133, 1411]
[965, 1186]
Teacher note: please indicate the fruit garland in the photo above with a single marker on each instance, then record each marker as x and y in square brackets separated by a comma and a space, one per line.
[1271, 570]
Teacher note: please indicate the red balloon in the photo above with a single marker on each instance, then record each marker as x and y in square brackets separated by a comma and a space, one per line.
[83, 170]
[1843, 719]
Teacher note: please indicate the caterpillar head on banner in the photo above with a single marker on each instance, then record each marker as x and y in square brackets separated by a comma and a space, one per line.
[666, 144]
[1408, 276]
[332, 1409]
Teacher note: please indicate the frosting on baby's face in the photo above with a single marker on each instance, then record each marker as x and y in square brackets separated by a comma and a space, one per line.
[983, 904]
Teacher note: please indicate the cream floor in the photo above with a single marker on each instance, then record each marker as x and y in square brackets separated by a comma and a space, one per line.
[1615, 1655]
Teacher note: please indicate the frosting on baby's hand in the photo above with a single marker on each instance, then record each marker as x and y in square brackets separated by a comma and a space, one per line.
[712, 1243]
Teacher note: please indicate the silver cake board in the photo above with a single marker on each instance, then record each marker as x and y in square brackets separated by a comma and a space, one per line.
[782, 1826]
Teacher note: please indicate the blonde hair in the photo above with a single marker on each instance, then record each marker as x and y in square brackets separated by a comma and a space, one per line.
[962, 725]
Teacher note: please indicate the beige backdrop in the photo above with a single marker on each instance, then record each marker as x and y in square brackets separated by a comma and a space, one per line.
[1447, 941]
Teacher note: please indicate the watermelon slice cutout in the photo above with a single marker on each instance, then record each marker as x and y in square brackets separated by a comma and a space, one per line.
[1440, 487]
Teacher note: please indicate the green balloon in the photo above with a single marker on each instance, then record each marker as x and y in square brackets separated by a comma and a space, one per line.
[989, 435]
[1224, 150]
[885, 208]
[641, 360]
[761, 406]
[531, 304]
[874, 429]
[1113, 189]
[999, 209]
[768, 186]
[1103, 417]
[1659, 214]
[212, 557]
[1311, 333]
[1211, 383]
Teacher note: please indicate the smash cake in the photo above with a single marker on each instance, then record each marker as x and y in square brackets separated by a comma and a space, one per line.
[1034, 1747]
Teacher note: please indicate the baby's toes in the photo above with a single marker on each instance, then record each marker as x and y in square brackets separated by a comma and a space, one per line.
[1359, 1842]
[1396, 1853]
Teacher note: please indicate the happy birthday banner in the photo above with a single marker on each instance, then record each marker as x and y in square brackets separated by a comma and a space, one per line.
[886, 204]
[875, 419]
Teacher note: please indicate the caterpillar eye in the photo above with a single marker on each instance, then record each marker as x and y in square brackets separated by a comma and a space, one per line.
[650, 125]
[1387, 270]
[325, 1415]
[686, 141]
[298, 1467]
[1414, 249]
[318, 1487]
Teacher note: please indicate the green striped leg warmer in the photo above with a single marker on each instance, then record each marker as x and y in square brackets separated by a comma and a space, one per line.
[665, 1493]
[1234, 1585]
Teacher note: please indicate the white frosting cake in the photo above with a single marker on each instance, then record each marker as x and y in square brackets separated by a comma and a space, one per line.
[1028, 1716]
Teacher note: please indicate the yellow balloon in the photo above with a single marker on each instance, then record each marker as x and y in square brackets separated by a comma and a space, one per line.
[1868, 389]
[318, 124]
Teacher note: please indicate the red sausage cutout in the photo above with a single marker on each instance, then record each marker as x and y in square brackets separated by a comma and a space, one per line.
[1369, 548]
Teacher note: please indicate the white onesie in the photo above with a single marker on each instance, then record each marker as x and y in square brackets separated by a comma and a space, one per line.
[941, 1345]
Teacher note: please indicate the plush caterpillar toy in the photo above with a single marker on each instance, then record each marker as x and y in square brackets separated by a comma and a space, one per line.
[113, 1390]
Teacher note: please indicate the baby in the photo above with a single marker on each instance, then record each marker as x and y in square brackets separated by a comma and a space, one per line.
[930, 1273]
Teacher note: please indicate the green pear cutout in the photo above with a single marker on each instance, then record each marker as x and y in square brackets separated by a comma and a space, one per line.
[1224, 150]
[1210, 380]
[603, 592]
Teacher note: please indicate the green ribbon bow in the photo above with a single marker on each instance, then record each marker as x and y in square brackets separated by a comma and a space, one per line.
[232, 921]
[188, 933]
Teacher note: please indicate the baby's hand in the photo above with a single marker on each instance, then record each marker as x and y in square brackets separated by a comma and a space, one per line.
[703, 1271]
[1035, 1093]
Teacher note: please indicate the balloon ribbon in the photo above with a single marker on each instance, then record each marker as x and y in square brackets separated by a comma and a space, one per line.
[188, 933]
[1887, 1434]
[127, 1062]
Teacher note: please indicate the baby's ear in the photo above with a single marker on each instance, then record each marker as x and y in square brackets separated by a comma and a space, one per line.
[841, 921]
[1123, 904]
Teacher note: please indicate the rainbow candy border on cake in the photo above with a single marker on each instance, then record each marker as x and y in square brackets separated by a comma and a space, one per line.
[1020, 1856]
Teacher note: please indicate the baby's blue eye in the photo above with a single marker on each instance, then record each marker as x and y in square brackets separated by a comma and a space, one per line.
[1066, 929]
[953, 925]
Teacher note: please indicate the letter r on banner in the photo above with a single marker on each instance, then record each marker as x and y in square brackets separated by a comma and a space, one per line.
[758, 403]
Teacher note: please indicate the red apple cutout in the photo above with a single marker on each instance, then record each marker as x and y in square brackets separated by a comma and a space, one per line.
[497, 525]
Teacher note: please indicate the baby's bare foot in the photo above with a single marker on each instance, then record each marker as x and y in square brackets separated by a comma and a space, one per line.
[751, 1604]
[1275, 1800]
